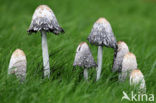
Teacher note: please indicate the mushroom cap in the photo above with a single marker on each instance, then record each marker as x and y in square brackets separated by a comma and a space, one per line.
[129, 62]
[18, 64]
[83, 57]
[137, 78]
[122, 50]
[102, 34]
[44, 19]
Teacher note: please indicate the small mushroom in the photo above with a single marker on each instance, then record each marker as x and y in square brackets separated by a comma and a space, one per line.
[84, 58]
[137, 79]
[102, 35]
[129, 63]
[122, 50]
[18, 64]
[44, 20]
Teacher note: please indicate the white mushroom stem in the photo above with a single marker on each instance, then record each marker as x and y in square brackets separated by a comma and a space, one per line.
[45, 54]
[85, 73]
[99, 62]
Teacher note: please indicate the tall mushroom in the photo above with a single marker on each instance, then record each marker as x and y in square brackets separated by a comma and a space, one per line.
[44, 20]
[102, 35]
[137, 80]
[129, 63]
[122, 50]
[84, 58]
[18, 64]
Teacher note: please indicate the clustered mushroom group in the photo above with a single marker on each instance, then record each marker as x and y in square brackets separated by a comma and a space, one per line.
[124, 62]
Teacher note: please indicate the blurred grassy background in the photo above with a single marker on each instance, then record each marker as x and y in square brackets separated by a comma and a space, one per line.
[133, 21]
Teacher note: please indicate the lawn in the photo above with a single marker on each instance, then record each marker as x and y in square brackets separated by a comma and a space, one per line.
[132, 21]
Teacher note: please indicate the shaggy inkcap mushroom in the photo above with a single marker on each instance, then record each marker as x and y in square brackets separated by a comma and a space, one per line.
[129, 63]
[122, 50]
[18, 64]
[102, 35]
[84, 58]
[137, 79]
[44, 20]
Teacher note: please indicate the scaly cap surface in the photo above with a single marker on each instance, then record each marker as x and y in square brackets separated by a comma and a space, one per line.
[83, 57]
[102, 34]
[18, 64]
[122, 50]
[44, 19]
[137, 78]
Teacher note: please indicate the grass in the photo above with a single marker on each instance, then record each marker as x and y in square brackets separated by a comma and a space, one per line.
[133, 21]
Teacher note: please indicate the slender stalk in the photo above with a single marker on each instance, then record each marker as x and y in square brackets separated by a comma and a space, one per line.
[85, 73]
[45, 54]
[99, 62]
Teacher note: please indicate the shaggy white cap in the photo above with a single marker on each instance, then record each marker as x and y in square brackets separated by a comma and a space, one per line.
[44, 19]
[83, 57]
[102, 34]
[137, 78]
[122, 50]
[129, 63]
[43, 11]
[122, 46]
[18, 64]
